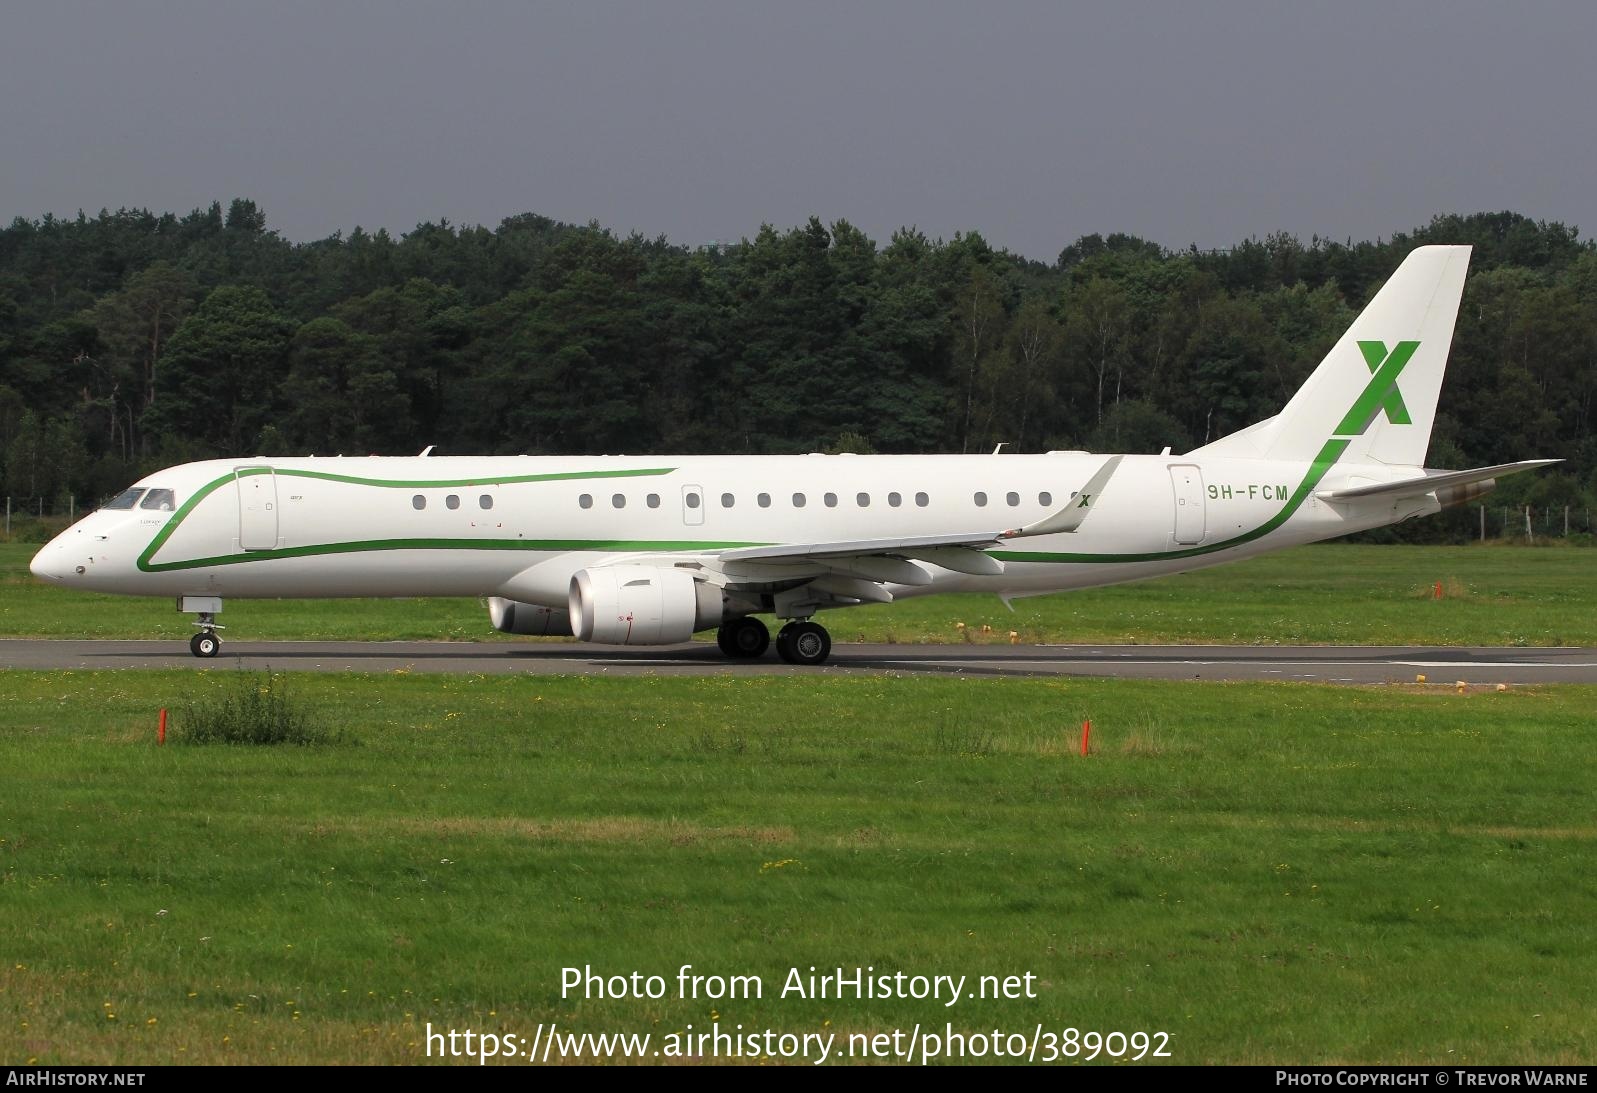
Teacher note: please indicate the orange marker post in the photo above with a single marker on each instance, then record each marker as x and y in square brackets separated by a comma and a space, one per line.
[1436, 593]
[160, 732]
[1086, 730]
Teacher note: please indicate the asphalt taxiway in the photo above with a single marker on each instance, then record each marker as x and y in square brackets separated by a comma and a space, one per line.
[1313, 664]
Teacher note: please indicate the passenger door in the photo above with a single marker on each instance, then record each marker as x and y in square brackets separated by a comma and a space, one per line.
[1187, 482]
[257, 507]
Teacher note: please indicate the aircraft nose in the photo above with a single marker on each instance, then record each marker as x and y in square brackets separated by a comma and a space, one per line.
[43, 564]
[53, 563]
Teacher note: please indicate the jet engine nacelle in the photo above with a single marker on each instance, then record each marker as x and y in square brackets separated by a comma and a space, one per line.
[641, 605]
[1449, 496]
[514, 617]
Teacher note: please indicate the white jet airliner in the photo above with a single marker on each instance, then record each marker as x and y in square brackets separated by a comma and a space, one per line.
[650, 550]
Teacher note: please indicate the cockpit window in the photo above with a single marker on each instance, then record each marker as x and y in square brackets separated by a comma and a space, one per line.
[125, 500]
[160, 500]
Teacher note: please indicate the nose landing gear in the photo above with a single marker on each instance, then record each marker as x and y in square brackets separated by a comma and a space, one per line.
[206, 643]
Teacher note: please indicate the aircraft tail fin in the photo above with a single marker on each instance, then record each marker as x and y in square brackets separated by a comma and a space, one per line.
[1377, 388]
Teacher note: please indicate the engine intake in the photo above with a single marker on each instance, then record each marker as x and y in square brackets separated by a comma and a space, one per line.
[515, 617]
[641, 605]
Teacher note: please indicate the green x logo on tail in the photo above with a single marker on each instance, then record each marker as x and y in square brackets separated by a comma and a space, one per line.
[1381, 393]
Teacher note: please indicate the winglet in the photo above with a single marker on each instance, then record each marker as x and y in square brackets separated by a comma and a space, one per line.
[1081, 504]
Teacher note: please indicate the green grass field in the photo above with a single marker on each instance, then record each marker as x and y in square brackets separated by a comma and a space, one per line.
[1327, 594]
[1269, 873]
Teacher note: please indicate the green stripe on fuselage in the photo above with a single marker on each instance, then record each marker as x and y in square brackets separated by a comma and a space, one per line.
[553, 545]
[1327, 457]
[146, 564]
[1322, 463]
[442, 483]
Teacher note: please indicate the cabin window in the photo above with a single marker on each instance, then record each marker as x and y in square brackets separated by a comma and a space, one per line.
[1045, 498]
[863, 500]
[418, 502]
[124, 500]
[486, 501]
[895, 499]
[452, 502]
[922, 500]
[692, 500]
[727, 500]
[980, 499]
[831, 500]
[159, 500]
[653, 500]
[1012, 498]
[798, 500]
[586, 501]
[619, 500]
[764, 500]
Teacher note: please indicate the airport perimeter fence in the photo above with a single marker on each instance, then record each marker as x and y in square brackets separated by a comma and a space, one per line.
[1527, 523]
[38, 519]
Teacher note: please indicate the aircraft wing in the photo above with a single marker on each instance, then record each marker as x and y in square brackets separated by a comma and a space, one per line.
[857, 568]
[960, 552]
[1432, 481]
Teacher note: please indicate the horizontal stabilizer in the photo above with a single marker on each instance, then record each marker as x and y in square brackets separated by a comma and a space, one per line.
[1432, 481]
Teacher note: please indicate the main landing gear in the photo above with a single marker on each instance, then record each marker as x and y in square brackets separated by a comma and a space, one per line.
[803, 642]
[743, 639]
[206, 643]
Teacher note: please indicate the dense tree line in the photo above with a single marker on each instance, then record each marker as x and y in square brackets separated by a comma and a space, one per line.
[131, 340]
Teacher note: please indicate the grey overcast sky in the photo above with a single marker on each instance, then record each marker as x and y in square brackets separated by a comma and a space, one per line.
[1032, 123]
